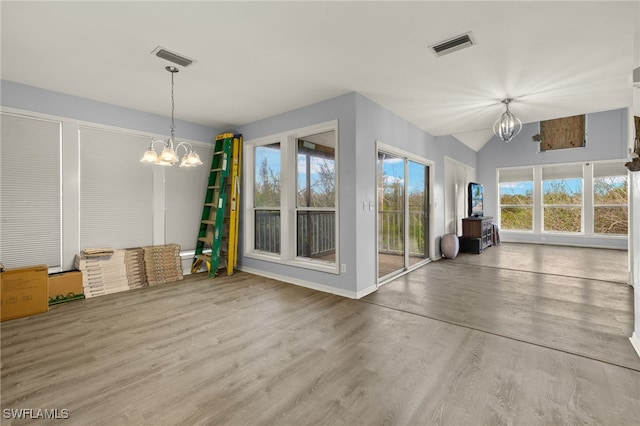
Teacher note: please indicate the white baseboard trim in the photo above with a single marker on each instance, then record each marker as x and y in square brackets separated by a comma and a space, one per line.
[635, 342]
[302, 283]
[620, 246]
[362, 293]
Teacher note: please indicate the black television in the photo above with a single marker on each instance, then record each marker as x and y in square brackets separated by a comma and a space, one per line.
[476, 199]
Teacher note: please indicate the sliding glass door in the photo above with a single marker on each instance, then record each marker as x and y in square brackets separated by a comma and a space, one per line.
[417, 229]
[391, 214]
[402, 213]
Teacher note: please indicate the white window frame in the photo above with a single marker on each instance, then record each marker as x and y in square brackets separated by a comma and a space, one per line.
[288, 195]
[532, 205]
[250, 168]
[591, 229]
[299, 208]
[581, 205]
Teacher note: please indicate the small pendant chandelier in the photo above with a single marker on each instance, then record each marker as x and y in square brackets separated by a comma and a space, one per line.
[508, 125]
[168, 155]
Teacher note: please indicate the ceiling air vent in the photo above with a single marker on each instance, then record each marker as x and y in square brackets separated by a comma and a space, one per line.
[453, 44]
[170, 56]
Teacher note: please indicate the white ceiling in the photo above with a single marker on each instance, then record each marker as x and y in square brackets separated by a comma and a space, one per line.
[257, 59]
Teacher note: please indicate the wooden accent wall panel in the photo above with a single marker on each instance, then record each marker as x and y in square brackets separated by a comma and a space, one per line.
[562, 133]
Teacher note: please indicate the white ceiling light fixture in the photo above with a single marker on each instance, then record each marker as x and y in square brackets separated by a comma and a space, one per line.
[508, 125]
[169, 154]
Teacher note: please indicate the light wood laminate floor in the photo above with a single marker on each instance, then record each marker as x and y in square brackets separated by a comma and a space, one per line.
[580, 262]
[250, 350]
[523, 292]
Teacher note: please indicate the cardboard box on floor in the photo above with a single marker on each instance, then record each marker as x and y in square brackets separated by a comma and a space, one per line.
[65, 287]
[24, 292]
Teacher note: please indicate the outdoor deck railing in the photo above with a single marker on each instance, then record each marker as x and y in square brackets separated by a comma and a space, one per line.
[391, 228]
[316, 232]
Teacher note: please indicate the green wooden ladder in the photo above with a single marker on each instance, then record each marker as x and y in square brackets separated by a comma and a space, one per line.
[209, 243]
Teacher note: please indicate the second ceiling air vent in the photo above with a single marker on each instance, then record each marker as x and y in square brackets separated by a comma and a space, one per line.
[453, 44]
[170, 56]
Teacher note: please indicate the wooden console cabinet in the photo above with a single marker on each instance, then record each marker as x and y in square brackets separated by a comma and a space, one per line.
[477, 234]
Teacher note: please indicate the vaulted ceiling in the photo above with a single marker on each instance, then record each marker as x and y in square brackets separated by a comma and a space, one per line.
[258, 59]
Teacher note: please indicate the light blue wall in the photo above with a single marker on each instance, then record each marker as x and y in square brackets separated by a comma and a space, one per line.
[29, 98]
[606, 140]
[375, 123]
[73, 111]
[361, 123]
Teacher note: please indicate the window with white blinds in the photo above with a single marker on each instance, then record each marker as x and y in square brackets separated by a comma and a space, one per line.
[116, 190]
[185, 190]
[30, 223]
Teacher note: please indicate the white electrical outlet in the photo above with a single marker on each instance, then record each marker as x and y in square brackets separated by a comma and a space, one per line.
[344, 267]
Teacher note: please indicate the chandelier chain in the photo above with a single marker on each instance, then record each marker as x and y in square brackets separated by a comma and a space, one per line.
[172, 108]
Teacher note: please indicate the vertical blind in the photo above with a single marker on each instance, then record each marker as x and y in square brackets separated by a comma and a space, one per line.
[116, 190]
[185, 190]
[30, 223]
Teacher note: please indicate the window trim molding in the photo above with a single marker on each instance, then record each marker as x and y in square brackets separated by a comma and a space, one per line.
[498, 214]
[288, 176]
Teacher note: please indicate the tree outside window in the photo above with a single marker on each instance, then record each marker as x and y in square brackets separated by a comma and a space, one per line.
[610, 212]
[562, 203]
[267, 198]
[516, 205]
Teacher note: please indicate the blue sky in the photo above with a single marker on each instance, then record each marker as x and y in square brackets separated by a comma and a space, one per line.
[574, 185]
[272, 155]
[273, 159]
[393, 168]
[521, 188]
[516, 188]
[316, 163]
